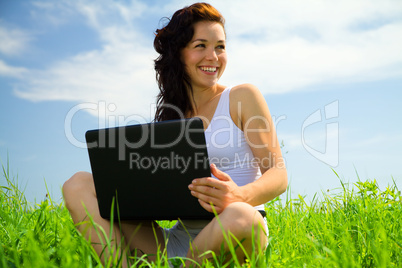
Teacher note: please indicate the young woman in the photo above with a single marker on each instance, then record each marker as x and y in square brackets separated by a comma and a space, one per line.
[246, 162]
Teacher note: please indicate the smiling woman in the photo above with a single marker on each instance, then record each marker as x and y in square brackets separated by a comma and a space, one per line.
[247, 168]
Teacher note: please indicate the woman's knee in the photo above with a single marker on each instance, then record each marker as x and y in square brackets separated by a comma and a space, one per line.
[80, 183]
[242, 218]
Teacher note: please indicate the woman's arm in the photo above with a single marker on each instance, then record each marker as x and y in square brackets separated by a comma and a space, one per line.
[253, 117]
[250, 113]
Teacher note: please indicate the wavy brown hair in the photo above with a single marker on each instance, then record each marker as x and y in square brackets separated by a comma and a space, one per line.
[173, 100]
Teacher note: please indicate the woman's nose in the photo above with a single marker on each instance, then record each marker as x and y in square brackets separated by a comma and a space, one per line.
[211, 55]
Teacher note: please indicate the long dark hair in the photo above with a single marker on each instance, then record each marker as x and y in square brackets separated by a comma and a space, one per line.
[173, 100]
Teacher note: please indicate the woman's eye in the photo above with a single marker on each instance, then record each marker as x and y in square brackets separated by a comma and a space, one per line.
[221, 47]
[200, 45]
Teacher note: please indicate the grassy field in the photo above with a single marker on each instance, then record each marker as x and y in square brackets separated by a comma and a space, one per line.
[360, 226]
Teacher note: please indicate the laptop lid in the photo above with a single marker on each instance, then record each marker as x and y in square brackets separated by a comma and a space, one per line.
[146, 169]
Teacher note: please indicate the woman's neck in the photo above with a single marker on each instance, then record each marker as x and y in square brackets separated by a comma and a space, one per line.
[201, 97]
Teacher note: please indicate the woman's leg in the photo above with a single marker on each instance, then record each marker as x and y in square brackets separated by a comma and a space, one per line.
[80, 199]
[243, 222]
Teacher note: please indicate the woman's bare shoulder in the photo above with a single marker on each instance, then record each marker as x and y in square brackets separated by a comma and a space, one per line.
[247, 93]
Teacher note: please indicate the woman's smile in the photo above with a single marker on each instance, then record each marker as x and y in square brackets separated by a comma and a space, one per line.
[210, 70]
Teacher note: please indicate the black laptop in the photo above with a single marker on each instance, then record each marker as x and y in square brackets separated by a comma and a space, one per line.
[144, 170]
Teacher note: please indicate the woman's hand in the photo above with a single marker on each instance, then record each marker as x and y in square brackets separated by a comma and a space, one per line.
[217, 193]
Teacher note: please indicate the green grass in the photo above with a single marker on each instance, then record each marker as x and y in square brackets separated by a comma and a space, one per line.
[360, 226]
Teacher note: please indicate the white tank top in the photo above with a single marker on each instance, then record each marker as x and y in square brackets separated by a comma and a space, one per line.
[227, 147]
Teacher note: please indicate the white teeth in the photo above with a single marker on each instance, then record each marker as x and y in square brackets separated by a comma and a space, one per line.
[209, 69]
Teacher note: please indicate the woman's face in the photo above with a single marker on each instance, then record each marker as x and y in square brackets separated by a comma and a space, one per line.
[205, 55]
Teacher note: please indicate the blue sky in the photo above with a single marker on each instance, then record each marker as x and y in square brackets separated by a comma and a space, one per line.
[330, 71]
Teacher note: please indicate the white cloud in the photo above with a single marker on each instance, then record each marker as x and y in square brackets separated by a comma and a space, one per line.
[118, 74]
[274, 20]
[10, 71]
[288, 46]
[279, 46]
[13, 40]
[121, 72]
